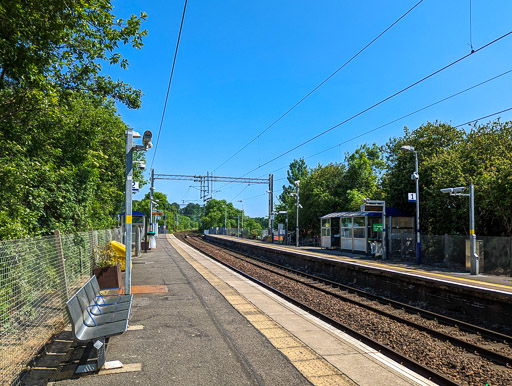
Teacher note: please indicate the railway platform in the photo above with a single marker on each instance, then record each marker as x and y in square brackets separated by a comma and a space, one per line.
[197, 323]
[458, 293]
[502, 283]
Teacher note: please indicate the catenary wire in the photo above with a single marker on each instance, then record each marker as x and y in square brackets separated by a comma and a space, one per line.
[409, 114]
[170, 81]
[460, 125]
[400, 118]
[319, 85]
[380, 102]
[484, 117]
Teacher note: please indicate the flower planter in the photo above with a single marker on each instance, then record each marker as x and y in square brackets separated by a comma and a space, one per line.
[109, 277]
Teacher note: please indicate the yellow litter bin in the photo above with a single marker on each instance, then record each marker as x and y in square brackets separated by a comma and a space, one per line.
[120, 251]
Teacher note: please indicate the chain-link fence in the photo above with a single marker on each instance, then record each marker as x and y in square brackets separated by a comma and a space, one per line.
[37, 276]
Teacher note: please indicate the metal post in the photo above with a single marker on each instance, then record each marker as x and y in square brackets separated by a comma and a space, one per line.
[128, 211]
[475, 261]
[242, 220]
[297, 224]
[271, 205]
[165, 218]
[418, 234]
[63, 281]
[238, 225]
[384, 255]
[226, 220]
[286, 226]
[151, 189]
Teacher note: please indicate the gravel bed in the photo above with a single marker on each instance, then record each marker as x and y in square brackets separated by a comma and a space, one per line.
[456, 363]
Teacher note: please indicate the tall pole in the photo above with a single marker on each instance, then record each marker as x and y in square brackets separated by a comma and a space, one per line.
[286, 226]
[151, 189]
[418, 233]
[297, 224]
[165, 218]
[128, 211]
[271, 206]
[384, 230]
[238, 224]
[475, 263]
[226, 220]
[242, 202]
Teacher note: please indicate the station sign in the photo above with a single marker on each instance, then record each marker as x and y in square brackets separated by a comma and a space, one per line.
[373, 208]
[377, 227]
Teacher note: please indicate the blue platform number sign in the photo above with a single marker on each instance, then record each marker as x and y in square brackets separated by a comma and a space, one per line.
[135, 186]
[411, 197]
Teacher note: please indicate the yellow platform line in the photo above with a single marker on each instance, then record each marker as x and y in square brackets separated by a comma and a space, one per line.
[380, 265]
[311, 365]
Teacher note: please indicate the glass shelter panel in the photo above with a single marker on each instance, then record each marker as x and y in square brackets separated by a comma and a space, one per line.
[359, 222]
[346, 222]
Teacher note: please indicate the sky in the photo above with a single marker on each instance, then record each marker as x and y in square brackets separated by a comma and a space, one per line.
[241, 65]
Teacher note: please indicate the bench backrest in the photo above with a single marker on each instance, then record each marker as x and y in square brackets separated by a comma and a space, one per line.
[77, 305]
[76, 315]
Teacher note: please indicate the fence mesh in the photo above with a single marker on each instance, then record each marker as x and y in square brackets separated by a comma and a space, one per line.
[37, 276]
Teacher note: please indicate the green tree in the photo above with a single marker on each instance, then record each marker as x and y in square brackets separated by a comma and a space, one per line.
[451, 157]
[53, 45]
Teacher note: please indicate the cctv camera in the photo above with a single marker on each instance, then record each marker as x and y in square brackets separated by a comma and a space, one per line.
[140, 164]
[459, 189]
[415, 176]
[146, 138]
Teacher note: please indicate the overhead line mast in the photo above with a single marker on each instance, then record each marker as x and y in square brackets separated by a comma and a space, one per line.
[206, 186]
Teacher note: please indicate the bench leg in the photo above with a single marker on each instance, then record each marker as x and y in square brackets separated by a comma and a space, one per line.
[100, 347]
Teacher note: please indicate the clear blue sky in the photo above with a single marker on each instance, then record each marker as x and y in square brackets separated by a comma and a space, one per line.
[242, 64]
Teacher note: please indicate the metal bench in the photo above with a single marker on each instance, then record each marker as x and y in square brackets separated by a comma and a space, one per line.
[96, 316]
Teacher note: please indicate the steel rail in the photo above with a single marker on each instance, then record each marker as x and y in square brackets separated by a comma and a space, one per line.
[470, 347]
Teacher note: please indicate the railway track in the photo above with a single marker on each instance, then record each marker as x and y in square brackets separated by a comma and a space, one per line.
[443, 349]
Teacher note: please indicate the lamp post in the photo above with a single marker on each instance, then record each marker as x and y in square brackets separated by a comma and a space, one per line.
[225, 219]
[242, 217]
[416, 177]
[298, 205]
[238, 225]
[130, 147]
[283, 212]
[475, 259]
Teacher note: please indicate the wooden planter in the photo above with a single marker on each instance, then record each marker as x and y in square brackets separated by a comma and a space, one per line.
[109, 277]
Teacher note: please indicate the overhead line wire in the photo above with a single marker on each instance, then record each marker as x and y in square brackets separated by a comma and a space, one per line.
[170, 81]
[320, 85]
[484, 117]
[381, 102]
[460, 125]
[409, 114]
[400, 118]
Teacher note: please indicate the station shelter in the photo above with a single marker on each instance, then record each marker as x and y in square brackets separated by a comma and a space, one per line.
[356, 231]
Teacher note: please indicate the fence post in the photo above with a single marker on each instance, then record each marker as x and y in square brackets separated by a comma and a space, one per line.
[64, 290]
[510, 255]
[93, 252]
